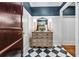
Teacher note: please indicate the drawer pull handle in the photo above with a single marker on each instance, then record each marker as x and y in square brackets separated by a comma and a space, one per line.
[36, 37]
[41, 37]
[46, 37]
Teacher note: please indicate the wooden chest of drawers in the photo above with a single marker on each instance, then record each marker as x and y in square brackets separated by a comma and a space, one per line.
[41, 39]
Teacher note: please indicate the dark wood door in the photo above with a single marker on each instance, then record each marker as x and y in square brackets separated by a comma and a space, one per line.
[10, 27]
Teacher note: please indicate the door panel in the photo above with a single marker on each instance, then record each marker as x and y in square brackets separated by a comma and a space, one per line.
[10, 26]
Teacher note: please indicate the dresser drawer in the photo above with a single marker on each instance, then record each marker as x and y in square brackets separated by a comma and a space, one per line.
[35, 44]
[41, 41]
[42, 37]
[35, 40]
[47, 40]
[42, 33]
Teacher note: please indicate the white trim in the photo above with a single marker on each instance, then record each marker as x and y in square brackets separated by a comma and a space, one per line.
[25, 19]
[65, 6]
[69, 16]
[76, 28]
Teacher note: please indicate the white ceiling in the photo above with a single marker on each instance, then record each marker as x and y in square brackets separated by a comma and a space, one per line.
[45, 4]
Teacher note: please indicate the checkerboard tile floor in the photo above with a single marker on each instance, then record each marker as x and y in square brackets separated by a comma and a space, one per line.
[56, 51]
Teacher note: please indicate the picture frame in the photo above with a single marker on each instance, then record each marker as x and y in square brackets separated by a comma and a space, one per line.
[42, 24]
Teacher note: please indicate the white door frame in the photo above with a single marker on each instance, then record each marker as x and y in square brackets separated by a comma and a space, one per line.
[61, 17]
[76, 29]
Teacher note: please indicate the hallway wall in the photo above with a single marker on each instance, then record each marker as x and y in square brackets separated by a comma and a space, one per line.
[26, 30]
[68, 30]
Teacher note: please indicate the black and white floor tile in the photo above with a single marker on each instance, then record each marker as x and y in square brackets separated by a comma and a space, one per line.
[56, 51]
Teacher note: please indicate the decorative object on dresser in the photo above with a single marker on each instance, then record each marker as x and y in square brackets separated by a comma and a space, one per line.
[42, 24]
[41, 39]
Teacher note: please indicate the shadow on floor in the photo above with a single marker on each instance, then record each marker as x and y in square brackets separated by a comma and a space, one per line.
[14, 54]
